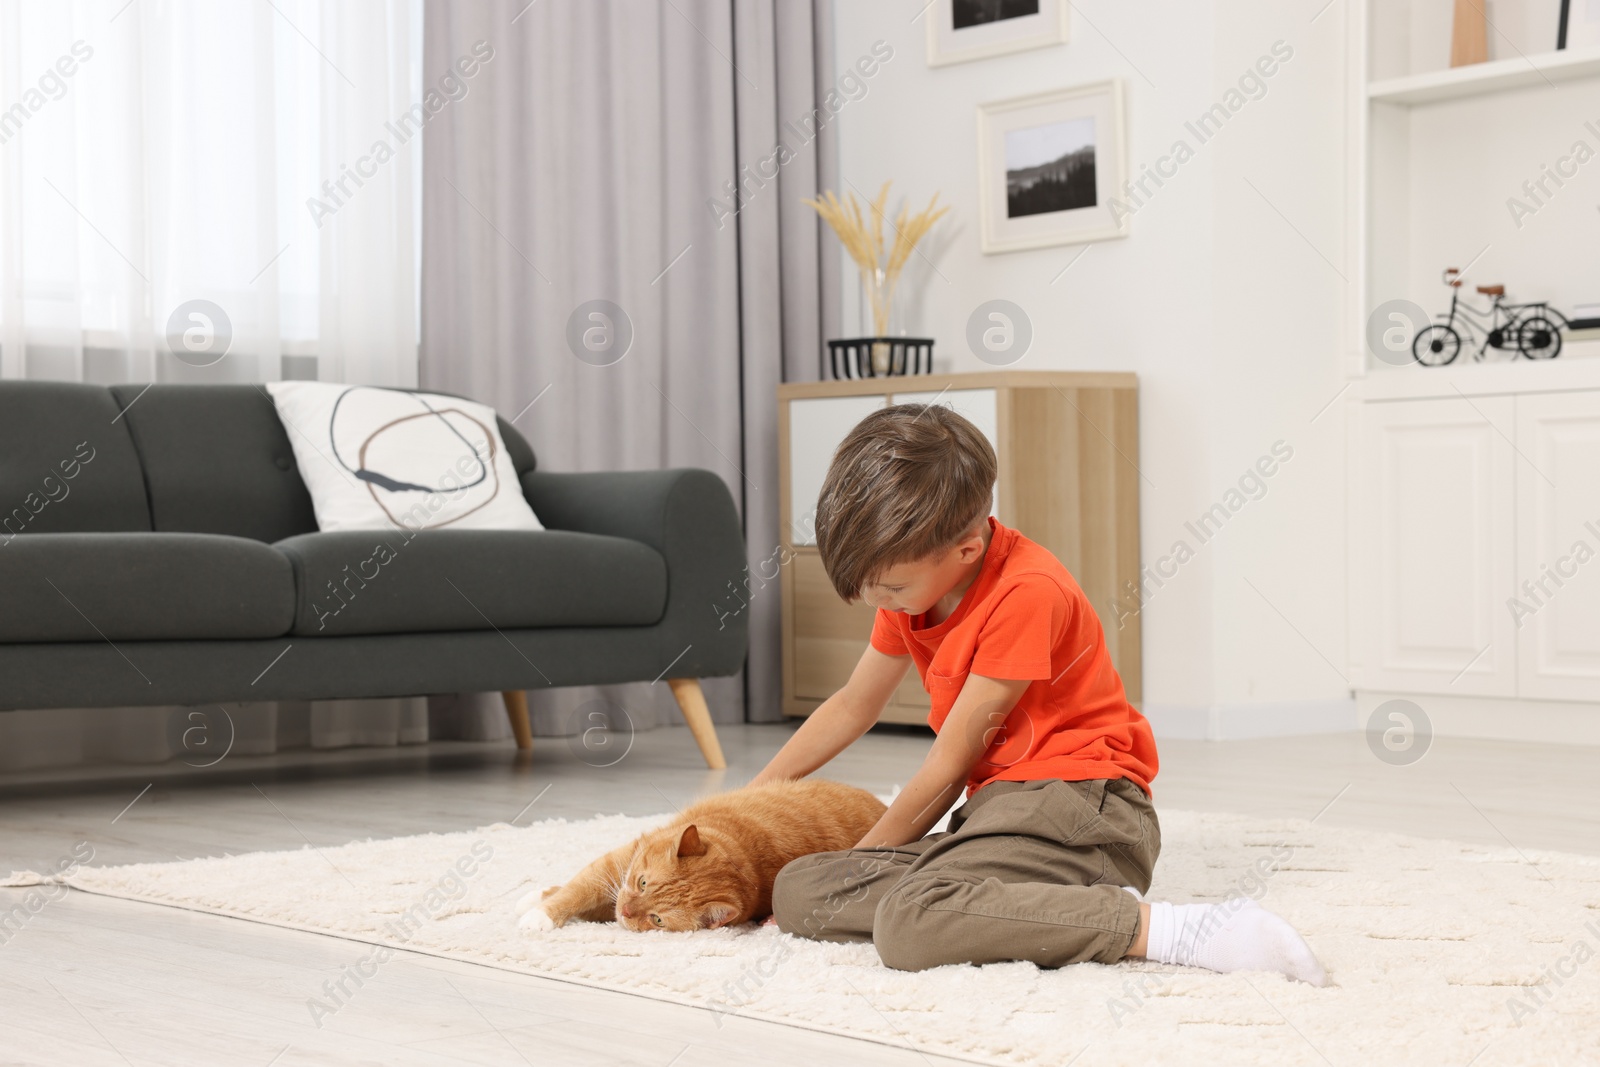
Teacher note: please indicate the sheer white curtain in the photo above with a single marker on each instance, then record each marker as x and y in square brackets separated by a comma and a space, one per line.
[155, 153]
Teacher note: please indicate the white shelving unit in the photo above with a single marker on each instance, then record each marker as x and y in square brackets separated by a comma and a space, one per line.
[1467, 479]
[1469, 167]
[1519, 72]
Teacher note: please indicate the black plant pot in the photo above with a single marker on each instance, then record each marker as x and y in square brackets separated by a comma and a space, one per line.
[852, 357]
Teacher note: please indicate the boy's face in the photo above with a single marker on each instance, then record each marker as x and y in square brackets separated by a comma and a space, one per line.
[916, 586]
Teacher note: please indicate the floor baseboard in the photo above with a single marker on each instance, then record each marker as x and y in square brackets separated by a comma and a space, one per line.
[1239, 722]
[1486, 718]
[1560, 722]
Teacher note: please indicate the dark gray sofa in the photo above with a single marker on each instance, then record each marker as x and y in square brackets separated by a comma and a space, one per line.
[157, 546]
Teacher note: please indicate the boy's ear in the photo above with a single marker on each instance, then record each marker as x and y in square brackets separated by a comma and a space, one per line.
[974, 542]
[717, 914]
[690, 844]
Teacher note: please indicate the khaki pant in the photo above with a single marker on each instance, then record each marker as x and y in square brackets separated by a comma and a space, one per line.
[1027, 871]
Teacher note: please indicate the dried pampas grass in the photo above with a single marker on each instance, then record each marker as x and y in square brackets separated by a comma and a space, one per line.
[862, 237]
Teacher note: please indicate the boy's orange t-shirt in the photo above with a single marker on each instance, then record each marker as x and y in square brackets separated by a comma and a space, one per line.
[1024, 616]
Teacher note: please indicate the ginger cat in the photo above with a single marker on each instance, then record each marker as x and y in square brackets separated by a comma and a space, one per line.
[712, 865]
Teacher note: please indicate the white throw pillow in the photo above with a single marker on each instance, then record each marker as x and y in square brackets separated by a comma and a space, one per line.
[377, 459]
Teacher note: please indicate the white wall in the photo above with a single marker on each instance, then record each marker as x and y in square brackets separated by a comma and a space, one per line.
[1227, 315]
[1279, 284]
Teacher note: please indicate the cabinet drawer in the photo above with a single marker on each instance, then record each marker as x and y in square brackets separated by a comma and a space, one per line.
[829, 635]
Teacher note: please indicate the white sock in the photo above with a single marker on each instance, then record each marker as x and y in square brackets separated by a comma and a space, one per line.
[1237, 935]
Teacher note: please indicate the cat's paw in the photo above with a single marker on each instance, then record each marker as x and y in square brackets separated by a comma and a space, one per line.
[534, 898]
[536, 921]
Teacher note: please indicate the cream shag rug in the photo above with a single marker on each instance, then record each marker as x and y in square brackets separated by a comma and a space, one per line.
[1437, 952]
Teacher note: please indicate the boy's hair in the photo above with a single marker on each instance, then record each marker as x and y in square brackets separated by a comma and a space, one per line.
[909, 481]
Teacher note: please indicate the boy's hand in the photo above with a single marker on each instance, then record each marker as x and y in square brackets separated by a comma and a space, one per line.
[841, 719]
[976, 717]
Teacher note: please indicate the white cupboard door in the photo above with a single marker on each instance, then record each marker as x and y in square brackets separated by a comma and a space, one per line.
[1435, 547]
[981, 407]
[817, 425]
[1554, 603]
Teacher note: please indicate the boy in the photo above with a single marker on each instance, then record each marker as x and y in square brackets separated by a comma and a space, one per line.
[1048, 857]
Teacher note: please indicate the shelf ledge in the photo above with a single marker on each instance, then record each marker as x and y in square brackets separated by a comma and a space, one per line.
[1569, 372]
[1501, 75]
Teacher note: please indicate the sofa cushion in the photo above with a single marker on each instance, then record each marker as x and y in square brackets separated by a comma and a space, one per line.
[66, 462]
[375, 458]
[142, 587]
[216, 460]
[402, 581]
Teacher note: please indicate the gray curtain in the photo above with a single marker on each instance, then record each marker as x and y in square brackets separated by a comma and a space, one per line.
[594, 157]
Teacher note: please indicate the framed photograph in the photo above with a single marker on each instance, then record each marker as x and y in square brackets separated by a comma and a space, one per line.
[1048, 167]
[959, 30]
[1580, 24]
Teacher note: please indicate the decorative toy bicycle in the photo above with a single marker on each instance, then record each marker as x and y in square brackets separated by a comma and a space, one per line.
[1533, 330]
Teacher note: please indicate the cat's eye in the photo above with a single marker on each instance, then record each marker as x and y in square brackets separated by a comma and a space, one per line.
[655, 919]
[641, 881]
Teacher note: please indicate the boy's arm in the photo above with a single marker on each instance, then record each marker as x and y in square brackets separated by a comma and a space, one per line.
[840, 720]
[979, 711]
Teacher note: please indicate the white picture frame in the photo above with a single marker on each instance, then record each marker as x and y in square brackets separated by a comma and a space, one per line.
[1032, 191]
[1583, 24]
[957, 32]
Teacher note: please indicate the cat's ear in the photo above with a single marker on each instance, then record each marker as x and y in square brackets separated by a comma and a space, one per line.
[690, 844]
[717, 914]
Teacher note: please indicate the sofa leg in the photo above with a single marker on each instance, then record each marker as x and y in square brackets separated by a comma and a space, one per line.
[692, 702]
[517, 711]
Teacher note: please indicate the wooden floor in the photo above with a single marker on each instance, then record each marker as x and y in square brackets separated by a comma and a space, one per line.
[91, 980]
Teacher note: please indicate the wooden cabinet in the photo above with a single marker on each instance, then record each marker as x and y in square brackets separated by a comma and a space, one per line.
[1068, 449]
[1476, 546]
